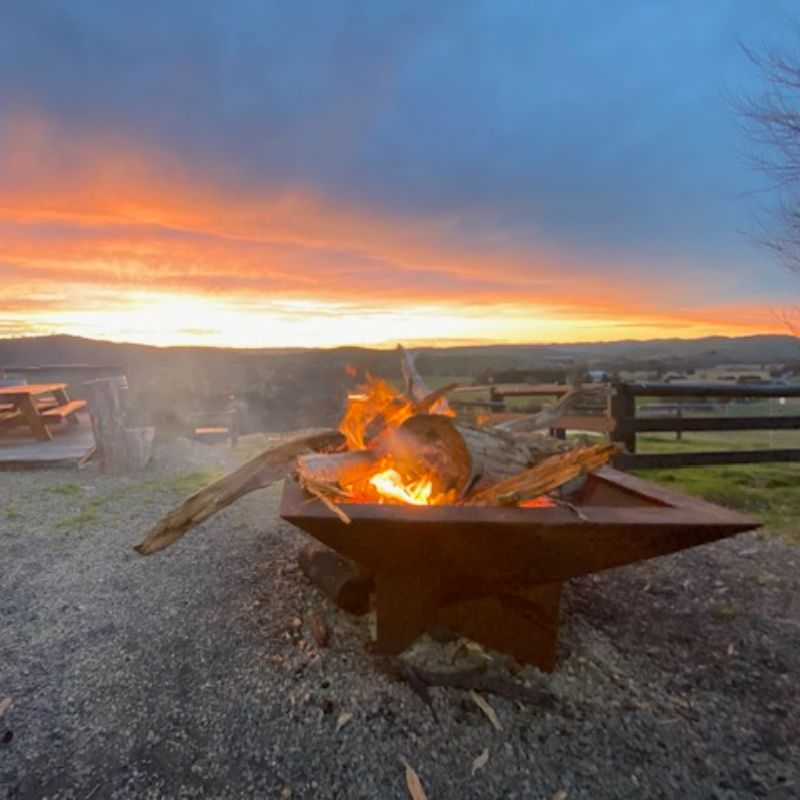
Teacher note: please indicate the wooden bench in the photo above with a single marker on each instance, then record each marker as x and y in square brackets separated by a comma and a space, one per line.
[9, 413]
[66, 411]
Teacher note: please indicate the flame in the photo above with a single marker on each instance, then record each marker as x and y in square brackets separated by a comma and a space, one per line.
[390, 484]
[378, 404]
[373, 412]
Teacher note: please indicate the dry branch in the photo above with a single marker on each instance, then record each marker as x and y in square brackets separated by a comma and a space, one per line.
[261, 471]
[545, 476]
[549, 416]
[415, 386]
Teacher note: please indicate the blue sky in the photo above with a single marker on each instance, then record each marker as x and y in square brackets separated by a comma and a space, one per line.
[597, 138]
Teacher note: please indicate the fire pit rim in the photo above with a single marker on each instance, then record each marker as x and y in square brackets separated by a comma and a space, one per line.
[666, 508]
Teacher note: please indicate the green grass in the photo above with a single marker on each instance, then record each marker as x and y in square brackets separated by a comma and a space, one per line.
[769, 492]
[183, 484]
[69, 489]
[85, 516]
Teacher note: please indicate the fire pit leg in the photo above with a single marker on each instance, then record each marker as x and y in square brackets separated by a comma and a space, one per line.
[404, 609]
[521, 623]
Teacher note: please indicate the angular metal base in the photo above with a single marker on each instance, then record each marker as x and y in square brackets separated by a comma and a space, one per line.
[495, 574]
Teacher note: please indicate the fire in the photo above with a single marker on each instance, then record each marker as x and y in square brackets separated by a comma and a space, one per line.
[538, 502]
[373, 413]
[390, 484]
[378, 404]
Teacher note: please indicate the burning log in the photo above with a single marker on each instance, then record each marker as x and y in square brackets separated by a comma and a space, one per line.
[426, 450]
[496, 452]
[394, 454]
[545, 476]
[258, 472]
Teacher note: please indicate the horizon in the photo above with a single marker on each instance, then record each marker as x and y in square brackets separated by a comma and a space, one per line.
[410, 346]
[480, 175]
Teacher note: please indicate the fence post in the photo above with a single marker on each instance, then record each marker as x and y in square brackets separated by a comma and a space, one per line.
[623, 411]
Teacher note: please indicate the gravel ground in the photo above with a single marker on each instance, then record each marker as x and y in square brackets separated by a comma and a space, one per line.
[191, 673]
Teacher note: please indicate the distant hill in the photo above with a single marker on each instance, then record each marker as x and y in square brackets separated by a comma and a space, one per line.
[707, 351]
[293, 388]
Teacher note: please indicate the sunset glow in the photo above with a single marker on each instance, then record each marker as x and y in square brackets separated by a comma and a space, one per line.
[120, 231]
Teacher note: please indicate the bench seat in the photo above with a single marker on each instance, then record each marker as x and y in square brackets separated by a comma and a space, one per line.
[58, 413]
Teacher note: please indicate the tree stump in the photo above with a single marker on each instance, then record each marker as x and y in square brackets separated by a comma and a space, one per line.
[120, 449]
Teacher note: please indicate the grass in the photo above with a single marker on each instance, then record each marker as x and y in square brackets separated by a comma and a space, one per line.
[85, 516]
[769, 492]
[181, 485]
[69, 489]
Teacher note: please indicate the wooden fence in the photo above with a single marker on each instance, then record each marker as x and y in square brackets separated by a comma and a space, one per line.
[628, 423]
[623, 419]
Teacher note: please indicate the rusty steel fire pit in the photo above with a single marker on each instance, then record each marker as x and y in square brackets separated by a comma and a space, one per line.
[495, 574]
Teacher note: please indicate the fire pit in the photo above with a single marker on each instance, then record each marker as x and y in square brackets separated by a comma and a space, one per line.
[495, 574]
[472, 526]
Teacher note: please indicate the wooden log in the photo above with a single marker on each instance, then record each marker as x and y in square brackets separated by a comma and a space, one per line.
[339, 578]
[496, 453]
[342, 468]
[424, 445]
[545, 476]
[258, 472]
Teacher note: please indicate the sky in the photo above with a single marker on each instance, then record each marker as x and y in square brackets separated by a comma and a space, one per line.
[324, 173]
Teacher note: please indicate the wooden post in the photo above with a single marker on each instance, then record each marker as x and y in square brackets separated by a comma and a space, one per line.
[623, 410]
[120, 449]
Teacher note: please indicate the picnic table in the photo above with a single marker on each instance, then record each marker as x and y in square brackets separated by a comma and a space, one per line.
[38, 404]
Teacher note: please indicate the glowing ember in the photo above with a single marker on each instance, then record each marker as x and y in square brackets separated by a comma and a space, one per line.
[391, 485]
[538, 502]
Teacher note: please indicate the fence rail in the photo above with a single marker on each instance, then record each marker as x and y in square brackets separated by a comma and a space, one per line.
[627, 424]
[622, 421]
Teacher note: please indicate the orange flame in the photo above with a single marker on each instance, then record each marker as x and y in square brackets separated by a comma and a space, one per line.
[543, 501]
[391, 485]
[374, 412]
[378, 406]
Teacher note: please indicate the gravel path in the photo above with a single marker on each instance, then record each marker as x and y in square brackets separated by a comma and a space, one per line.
[192, 674]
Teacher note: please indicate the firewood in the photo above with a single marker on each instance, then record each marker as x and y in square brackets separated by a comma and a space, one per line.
[496, 453]
[258, 472]
[435, 402]
[326, 492]
[545, 476]
[431, 444]
[425, 444]
[415, 386]
[341, 579]
[341, 468]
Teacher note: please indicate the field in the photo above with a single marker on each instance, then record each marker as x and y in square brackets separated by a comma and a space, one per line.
[770, 492]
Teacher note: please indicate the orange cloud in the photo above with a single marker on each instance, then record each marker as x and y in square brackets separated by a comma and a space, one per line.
[93, 225]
